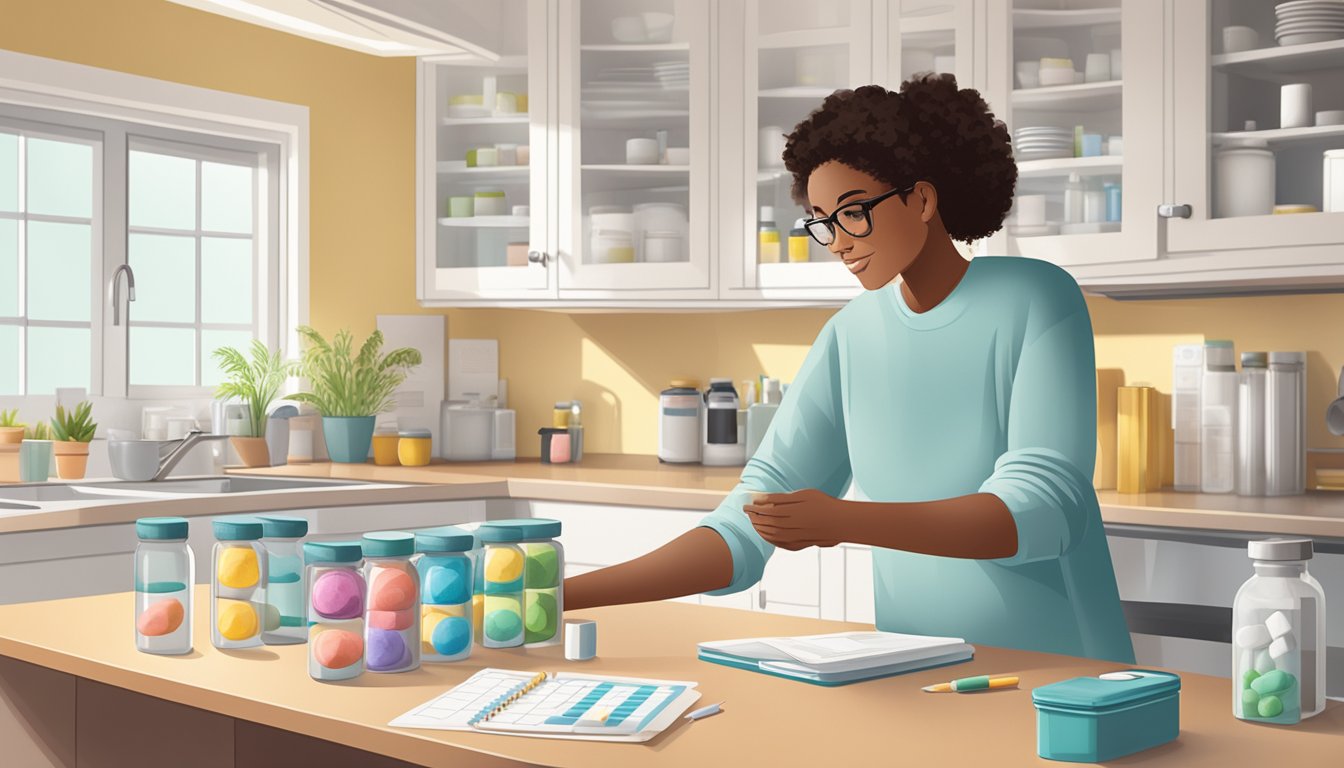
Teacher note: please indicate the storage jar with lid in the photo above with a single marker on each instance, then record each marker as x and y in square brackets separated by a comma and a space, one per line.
[1243, 181]
[722, 447]
[1278, 636]
[385, 442]
[543, 575]
[1094, 719]
[662, 246]
[336, 594]
[446, 584]
[613, 246]
[164, 573]
[680, 410]
[392, 607]
[284, 622]
[238, 576]
[414, 447]
[497, 600]
[490, 202]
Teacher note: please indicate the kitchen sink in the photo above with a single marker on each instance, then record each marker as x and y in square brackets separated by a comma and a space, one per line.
[210, 486]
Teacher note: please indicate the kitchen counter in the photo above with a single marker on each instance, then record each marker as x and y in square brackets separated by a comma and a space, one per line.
[769, 720]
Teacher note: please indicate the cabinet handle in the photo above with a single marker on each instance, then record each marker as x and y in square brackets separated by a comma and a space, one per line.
[1170, 211]
[537, 257]
[760, 599]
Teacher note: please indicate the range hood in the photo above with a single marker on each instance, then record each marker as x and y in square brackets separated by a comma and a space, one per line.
[376, 27]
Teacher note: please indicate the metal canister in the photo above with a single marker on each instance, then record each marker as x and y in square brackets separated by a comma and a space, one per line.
[1285, 424]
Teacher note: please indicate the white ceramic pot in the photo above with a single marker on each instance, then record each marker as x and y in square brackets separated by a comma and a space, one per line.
[641, 151]
[612, 217]
[1243, 182]
[662, 247]
[612, 246]
[661, 217]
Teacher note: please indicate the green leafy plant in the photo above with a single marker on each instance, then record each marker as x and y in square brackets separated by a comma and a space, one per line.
[10, 418]
[347, 384]
[256, 382]
[38, 431]
[74, 426]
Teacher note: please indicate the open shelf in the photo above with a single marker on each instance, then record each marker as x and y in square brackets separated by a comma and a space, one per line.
[635, 47]
[796, 92]
[806, 38]
[1104, 165]
[501, 222]
[1079, 97]
[520, 119]
[1278, 64]
[1031, 18]
[943, 21]
[1328, 134]
[459, 168]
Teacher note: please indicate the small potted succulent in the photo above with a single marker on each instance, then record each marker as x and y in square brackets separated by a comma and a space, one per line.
[35, 454]
[257, 383]
[350, 389]
[11, 429]
[71, 432]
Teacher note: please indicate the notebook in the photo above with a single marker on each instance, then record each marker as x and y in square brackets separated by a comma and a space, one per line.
[558, 706]
[840, 658]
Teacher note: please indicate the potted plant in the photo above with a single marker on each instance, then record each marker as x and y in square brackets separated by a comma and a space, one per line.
[11, 429]
[257, 383]
[35, 454]
[71, 432]
[349, 389]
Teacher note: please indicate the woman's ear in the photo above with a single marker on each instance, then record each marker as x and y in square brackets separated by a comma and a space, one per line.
[929, 197]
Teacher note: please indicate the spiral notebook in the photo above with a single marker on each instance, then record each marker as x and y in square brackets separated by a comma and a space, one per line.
[558, 706]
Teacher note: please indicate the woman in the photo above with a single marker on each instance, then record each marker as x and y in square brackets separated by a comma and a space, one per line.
[960, 401]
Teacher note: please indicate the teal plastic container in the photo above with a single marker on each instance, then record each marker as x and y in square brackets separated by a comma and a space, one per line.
[1093, 719]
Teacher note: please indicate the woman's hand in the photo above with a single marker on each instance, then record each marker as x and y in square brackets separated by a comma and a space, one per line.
[794, 521]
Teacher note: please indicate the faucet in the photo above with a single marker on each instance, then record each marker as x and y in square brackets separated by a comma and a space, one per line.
[195, 436]
[114, 287]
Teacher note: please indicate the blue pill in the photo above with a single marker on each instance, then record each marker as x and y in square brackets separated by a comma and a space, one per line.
[446, 581]
[452, 636]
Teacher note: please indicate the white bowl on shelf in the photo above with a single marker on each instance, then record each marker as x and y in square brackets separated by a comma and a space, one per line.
[629, 29]
[1050, 76]
[658, 26]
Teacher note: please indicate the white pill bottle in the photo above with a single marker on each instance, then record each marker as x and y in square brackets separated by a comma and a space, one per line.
[1278, 636]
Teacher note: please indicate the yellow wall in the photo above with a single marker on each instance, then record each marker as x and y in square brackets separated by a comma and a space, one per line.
[362, 112]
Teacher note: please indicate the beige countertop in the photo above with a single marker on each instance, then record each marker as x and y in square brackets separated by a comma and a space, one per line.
[636, 480]
[770, 721]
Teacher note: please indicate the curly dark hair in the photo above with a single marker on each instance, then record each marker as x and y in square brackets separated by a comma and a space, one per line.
[929, 131]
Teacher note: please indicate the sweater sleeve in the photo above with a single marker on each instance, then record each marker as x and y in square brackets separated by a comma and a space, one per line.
[805, 447]
[1044, 476]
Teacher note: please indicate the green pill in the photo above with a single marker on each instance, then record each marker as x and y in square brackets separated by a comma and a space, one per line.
[1272, 682]
[1249, 678]
[1270, 706]
[502, 626]
[540, 621]
[1249, 700]
[543, 566]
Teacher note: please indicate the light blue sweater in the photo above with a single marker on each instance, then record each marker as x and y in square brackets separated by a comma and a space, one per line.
[991, 391]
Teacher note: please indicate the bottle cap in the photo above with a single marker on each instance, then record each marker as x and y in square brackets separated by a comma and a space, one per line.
[768, 213]
[1279, 549]
[332, 552]
[1254, 359]
[161, 528]
[562, 405]
[522, 529]
[1287, 358]
[237, 529]
[388, 544]
[283, 526]
[423, 434]
[448, 538]
[1219, 354]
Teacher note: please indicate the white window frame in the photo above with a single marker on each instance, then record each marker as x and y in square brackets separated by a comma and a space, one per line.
[175, 112]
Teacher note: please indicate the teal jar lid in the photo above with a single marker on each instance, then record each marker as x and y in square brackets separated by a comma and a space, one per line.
[449, 538]
[416, 434]
[283, 526]
[389, 544]
[523, 529]
[161, 529]
[332, 552]
[238, 529]
[1099, 694]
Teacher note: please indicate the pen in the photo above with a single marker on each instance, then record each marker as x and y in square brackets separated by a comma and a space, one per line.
[705, 711]
[979, 683]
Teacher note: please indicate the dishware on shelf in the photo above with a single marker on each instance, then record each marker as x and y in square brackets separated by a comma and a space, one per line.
[1237, 39]
[1098, 67]
[1308, 21]
[1330, 117]
[1295, 105]
[461, 207]
[611, 217]
[521, 211]
[1028, 74]
[506, 103]
[661, 246]
[1115, 145]
[523, 154]
[1042, 143]
[613, 246]
[1281, 209]
[641, 151]
[658, 217]
[490, 203]
[1091, 145]
[506, 154]
[771, 147]
[628, 29]
[1243, 181]
[1332, 198]
[658, 26]
[486, 157]
[1050, 76]
[678, 156]
[1029, 210]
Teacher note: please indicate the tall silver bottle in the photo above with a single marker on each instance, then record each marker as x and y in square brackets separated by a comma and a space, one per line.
[1285, 424]
[1251, 424]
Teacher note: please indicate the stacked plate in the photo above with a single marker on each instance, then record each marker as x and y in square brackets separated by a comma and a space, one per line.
[1042, 143]
[1308, 21]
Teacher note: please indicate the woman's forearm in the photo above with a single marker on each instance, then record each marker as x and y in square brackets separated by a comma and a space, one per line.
[694, 562]
[977, 526]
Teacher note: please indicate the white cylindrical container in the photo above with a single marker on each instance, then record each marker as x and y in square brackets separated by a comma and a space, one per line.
[662, 246]
[1074, 192]
[1218, 418]
[1295, 105]
[1332, 198]
[1186, 385]
[1285, 424]
[1279, 636]
[1243, 182]
[680, 410]
[164, 572]
[1251, 424]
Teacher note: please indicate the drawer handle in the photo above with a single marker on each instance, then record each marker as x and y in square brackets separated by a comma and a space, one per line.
[537, 257]
[760, 599]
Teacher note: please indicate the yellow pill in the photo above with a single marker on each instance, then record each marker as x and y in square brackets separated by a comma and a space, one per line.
[503, 565]
[238, 568]
[478, 609]
[427, 624]
[427, 611]
[236, 620]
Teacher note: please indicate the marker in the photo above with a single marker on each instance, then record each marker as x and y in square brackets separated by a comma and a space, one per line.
[979, 683]
[712, 709]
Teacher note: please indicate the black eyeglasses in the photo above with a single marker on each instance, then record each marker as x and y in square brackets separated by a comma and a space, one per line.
[855, 219]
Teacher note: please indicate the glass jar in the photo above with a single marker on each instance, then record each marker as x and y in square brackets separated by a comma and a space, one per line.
[284, 620]
[392, 607]
[237, 583]
[336, 590]
[164, 568]
[543, 575]
[445, 567]
[414, 447]
[497, 600]
[1278, 630]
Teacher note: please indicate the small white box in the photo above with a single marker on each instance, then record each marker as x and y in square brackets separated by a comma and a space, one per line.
[580, 640]
[1278, 624]
[1281, 647]
[1253, 636]
[1263, 662]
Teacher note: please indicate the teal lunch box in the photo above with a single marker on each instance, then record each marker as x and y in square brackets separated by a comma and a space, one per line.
[1091, 719]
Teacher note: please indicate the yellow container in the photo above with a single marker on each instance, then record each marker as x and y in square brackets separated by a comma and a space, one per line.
[414, 447]
[385, 449]
[798, 247]
[560, 416]
[1138, 441]
[769, 246]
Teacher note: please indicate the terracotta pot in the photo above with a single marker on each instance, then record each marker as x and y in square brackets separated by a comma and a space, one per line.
[72, 459]
[11, 435]
[9, 463]
[251, 451]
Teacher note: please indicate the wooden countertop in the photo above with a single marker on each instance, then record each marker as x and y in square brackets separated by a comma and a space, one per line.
[770, 721]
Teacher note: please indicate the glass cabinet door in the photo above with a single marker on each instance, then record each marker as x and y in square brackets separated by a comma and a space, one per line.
[931, 36]
[484, 167]
[634, 148]
[1084, 109]
[1259, 138]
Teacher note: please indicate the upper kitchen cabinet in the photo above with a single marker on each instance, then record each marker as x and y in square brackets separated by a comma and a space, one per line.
[486, 176]
[1079, 84]
[635, 153]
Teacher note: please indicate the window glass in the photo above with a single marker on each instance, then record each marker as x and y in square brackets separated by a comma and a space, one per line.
[58, 357]
[9, 269]
[162, 357]
[165, 278]
[226, 280]
[9, 172]
[212, 340]
[60, 258]
[162, 191]
[59, 178]
[226, 197]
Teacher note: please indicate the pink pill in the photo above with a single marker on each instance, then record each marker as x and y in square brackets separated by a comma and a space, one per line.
[337, 648]
[339, 595]
[393, 590]
[161, 618]
[397, 620]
